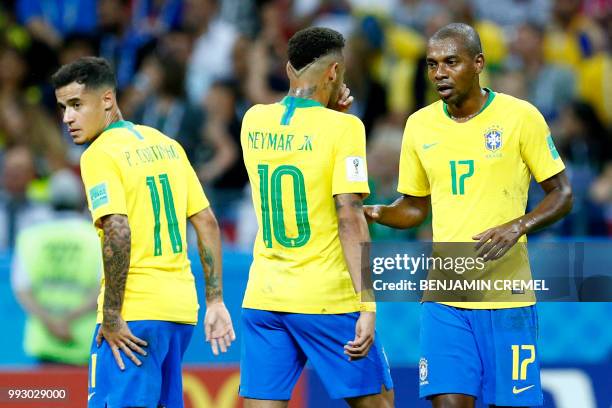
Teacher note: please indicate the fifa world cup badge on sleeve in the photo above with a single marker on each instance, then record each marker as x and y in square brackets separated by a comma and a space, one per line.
[356, 169]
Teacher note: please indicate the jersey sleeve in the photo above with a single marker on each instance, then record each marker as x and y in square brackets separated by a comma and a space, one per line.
[103, 184]
[537, 146]
[350, 167]
[196, 198]
[412, 177]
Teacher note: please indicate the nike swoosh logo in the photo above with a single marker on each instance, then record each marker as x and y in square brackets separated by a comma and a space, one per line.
[90, 395]
[428, 145]
[519, 390]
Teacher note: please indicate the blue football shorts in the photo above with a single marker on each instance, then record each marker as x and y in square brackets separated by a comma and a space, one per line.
[487, 353]
[276, 346]
[157, 382]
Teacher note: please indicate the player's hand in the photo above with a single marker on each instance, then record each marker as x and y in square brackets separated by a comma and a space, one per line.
[495, 242]
[60, 329]
[364, 337]
[373, 212]
[119, 337]
[218, 327]
[345, 100]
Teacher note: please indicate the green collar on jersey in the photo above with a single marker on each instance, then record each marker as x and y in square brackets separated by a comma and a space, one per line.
[293, 102]
[487, 103]
[125, 124]
[300, 102]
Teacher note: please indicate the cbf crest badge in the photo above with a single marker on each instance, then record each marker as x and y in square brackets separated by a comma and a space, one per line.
[423, 371]
[493, 138]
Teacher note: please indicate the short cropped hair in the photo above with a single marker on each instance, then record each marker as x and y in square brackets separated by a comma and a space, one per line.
[311, 43]
[93, 72]
[463, 32]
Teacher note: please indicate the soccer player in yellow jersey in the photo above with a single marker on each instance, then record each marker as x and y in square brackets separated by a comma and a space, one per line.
[307, 168]
[140, 189]
[471, 155]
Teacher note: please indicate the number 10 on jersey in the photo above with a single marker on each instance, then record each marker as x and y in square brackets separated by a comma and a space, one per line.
[271, 192]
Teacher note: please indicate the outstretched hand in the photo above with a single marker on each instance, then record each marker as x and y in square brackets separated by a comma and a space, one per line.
[119, 337]
[218, 327]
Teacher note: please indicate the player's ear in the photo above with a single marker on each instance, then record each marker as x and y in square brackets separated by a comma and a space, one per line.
[290, 71]
[479, 61]
[333, 71]
[108, 99]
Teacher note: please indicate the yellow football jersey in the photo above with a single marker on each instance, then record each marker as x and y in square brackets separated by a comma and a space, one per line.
[477, 172]
[298, 155]
[137, 171]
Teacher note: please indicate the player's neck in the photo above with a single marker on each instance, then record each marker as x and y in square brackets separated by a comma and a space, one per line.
[112, 117]
[309, 91]
[470, 106]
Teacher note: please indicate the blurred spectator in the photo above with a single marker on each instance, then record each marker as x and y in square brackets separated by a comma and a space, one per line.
[119, 43]
[415, 13]
[153, 18]
[370, 103]
[17, 210]
[584, 145]
[549, 86]
[595, 80]
[211, 57]
[601, 193]
[223, 173]
[491, 34]
[168, 109]
[334, 14]
[56, 277]
[76, 46]
[10, 31]
[383, 161]
[22, 120]
[572, 36]
[511, 13]
[267, 79]
[49, 21]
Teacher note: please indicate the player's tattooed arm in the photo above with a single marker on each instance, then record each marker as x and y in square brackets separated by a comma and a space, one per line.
[116, 247]
[116, 258]
[218, 327]
[405, 212]
[209, 248]
[213, 289]
[353, 232]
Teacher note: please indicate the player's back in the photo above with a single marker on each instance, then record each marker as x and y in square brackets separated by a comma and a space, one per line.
[298, 155]
[137, 171]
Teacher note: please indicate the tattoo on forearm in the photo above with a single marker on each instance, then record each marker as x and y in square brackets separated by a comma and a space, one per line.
[213, 286]
[354, 203]
[116, 257]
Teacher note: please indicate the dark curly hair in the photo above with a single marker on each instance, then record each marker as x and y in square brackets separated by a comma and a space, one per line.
[93, 72]
[311, 43]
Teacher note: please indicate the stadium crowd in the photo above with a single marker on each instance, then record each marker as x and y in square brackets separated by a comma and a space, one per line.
[191, 68]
